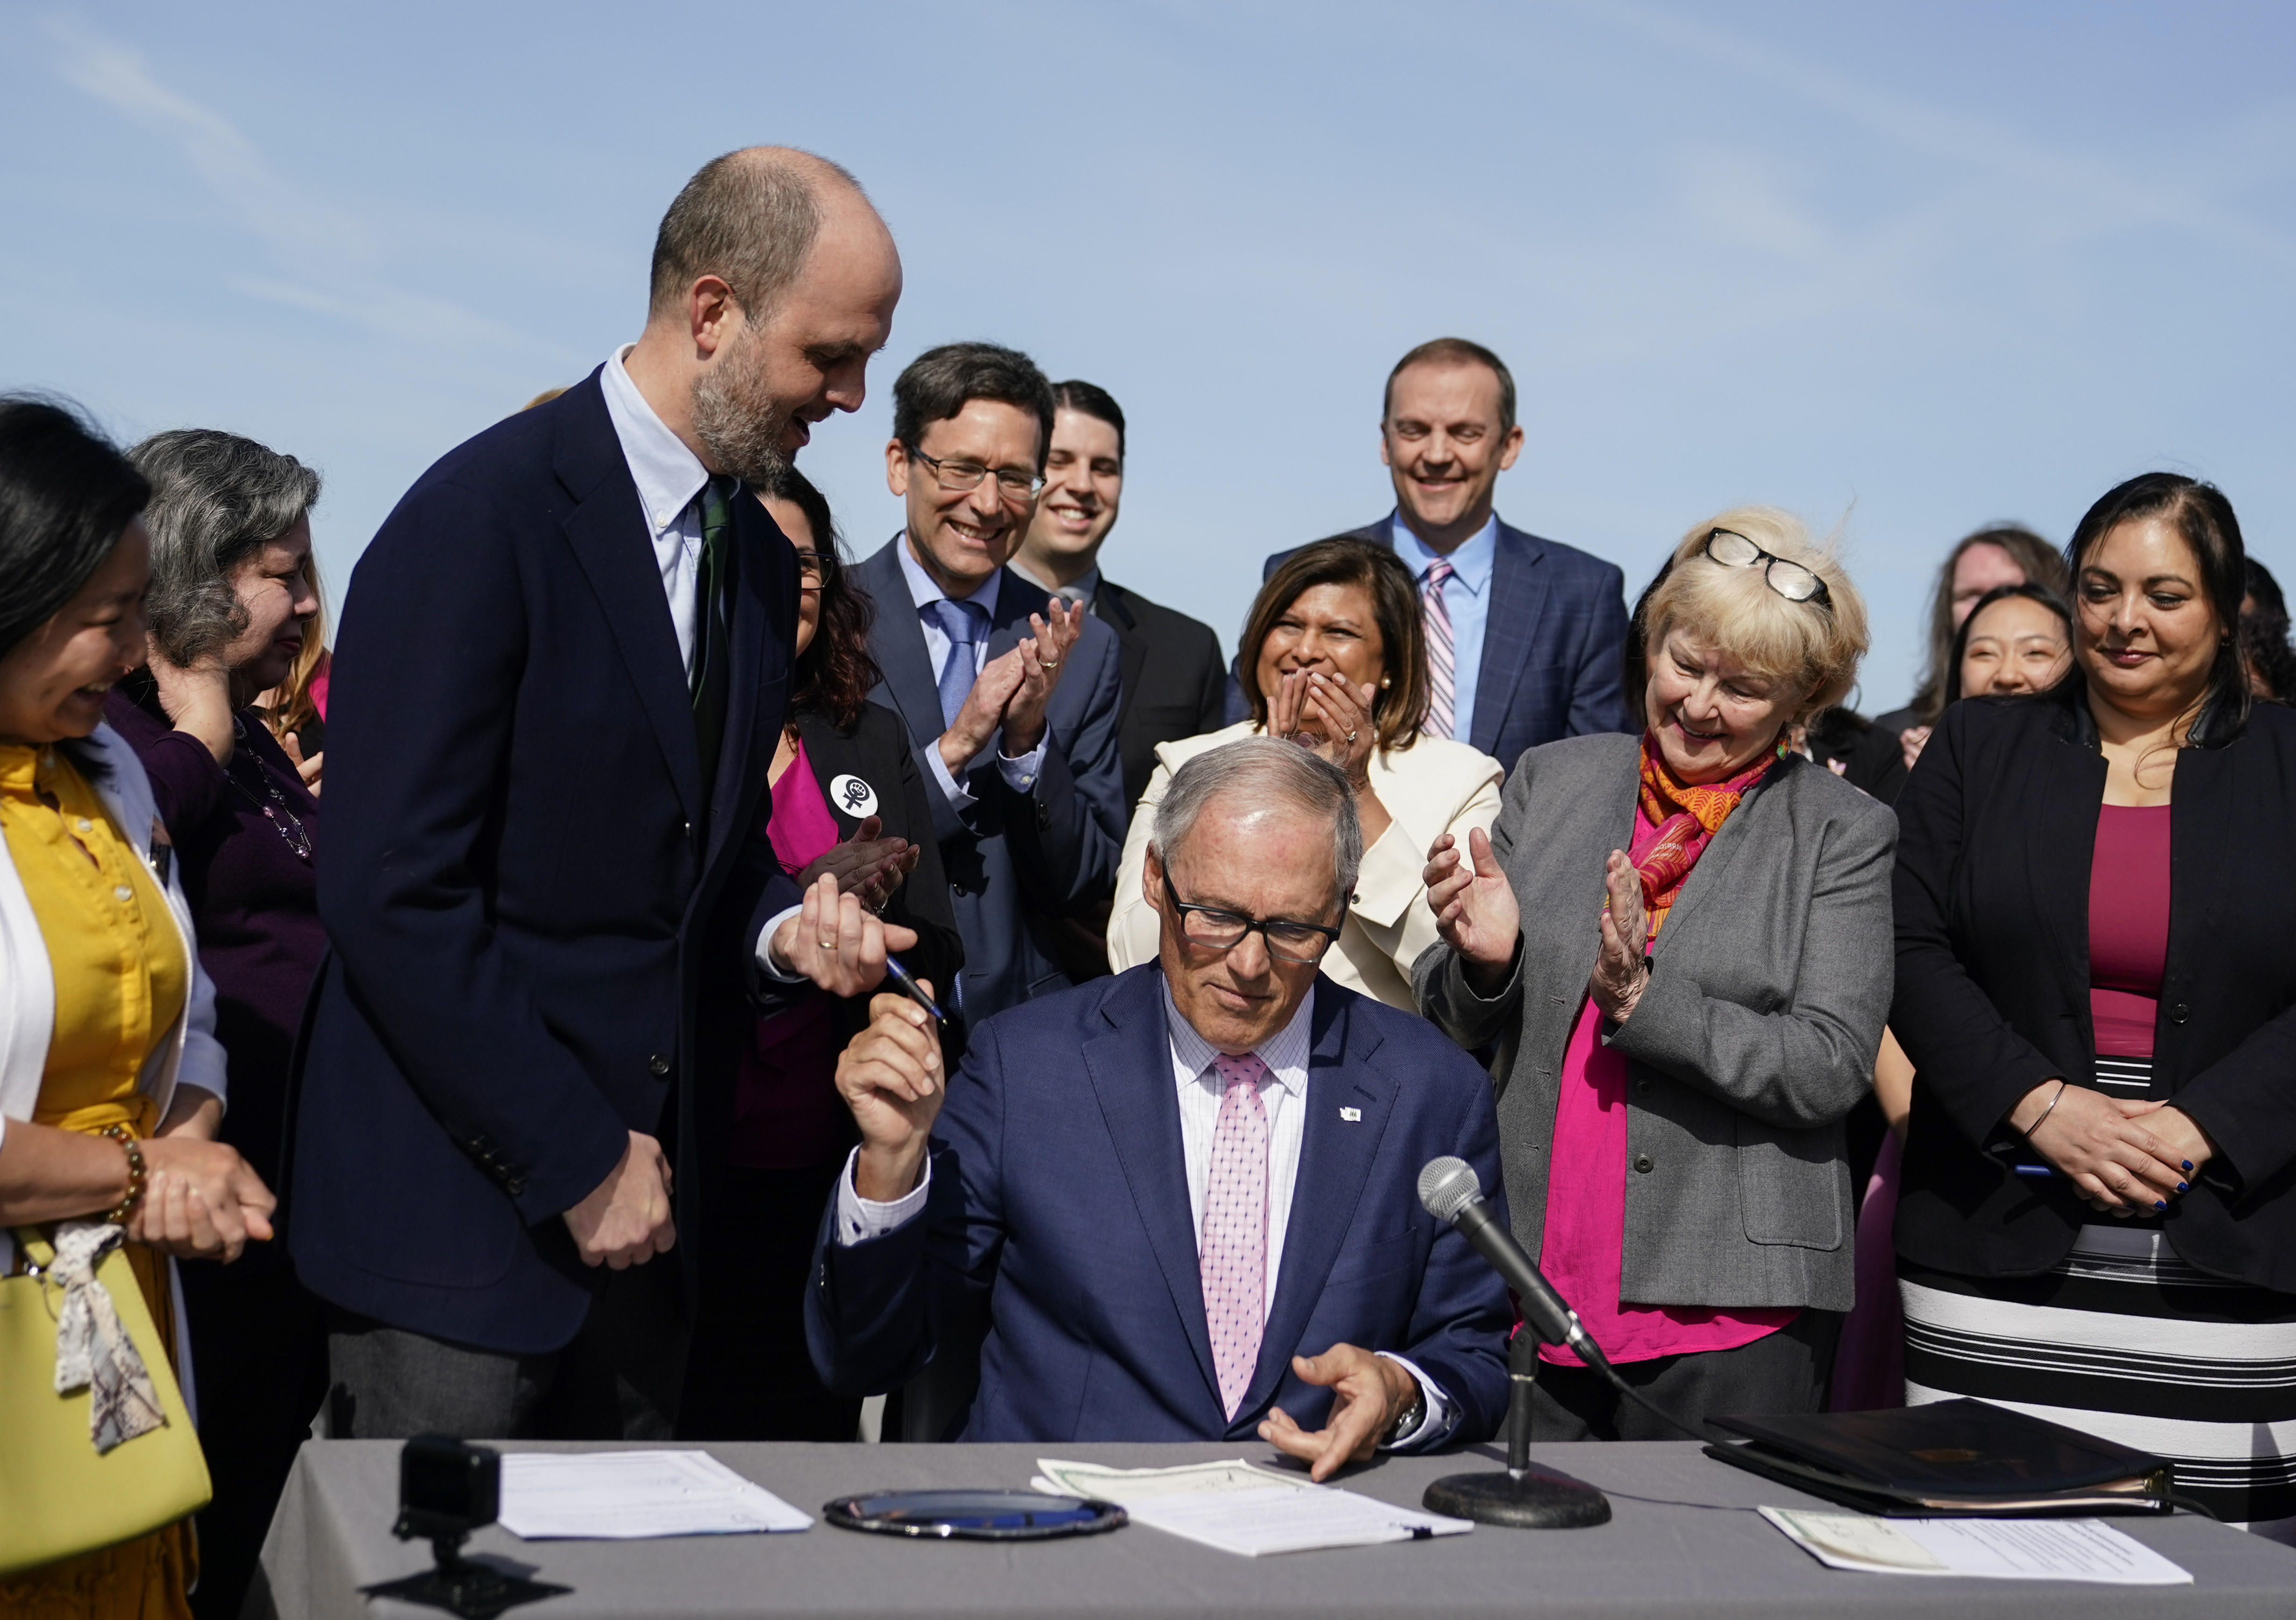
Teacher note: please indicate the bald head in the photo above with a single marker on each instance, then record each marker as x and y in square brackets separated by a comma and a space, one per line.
[752, 218]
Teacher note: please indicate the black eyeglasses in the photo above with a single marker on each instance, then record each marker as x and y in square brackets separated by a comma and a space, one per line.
[1215, 929]
[815, 569]
[1791, 580]
[958, 477]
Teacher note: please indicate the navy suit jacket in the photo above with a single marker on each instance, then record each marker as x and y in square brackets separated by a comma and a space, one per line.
[534, 917]
[1014, 859]
[1554, 643]
[1059, 1193]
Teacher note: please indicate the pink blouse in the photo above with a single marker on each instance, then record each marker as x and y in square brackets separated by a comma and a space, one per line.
[2127, 926]
[1583, 1250]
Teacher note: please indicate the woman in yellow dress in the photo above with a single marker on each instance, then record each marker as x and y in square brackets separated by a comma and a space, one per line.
[111, 1083]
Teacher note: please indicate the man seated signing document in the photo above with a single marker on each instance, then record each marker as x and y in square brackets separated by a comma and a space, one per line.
[1188, 1192]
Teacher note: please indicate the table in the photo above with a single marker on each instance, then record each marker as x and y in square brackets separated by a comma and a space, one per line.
[1681, 1540]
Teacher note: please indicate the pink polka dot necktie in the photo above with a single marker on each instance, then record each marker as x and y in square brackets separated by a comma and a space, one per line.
[1234, 1251]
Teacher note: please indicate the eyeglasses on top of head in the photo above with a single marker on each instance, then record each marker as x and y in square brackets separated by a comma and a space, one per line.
[1215, 928]
[1791, 580]
[959, 477]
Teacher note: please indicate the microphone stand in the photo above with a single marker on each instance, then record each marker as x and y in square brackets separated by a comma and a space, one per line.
[1526, 1496]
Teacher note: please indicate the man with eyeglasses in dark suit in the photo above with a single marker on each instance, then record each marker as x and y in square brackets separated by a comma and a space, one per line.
[1011, 696]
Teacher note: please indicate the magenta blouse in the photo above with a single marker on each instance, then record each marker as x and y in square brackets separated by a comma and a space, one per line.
[1583, 1250]
[787, 1115]
[2127, 926]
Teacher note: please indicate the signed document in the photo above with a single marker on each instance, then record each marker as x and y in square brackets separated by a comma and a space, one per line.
[1242, 1508]
[2006, 1549]
[630, 1495]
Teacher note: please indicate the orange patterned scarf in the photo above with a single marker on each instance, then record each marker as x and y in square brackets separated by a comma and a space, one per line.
[1676, 824]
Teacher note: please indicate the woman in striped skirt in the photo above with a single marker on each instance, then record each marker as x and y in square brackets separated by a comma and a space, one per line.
[2096, 978]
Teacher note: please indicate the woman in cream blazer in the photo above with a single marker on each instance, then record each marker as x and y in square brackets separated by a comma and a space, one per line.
[1333, 641]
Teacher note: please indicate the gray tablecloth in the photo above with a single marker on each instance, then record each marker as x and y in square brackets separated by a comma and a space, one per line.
[1683, 1540]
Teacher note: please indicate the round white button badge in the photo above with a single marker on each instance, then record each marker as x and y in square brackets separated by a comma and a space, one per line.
[852, 796]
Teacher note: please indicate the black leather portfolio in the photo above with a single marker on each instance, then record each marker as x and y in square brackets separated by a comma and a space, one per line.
[1960, 1458]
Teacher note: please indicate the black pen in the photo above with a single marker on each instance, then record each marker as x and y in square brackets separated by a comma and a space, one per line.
[902, 977]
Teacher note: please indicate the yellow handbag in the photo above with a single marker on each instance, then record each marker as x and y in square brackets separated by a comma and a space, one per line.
[58, 1496]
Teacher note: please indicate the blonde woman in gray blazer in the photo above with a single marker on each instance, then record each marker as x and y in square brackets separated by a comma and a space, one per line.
[1680, 946]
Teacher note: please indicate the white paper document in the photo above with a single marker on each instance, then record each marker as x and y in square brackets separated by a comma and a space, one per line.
[628, 1495]
[2006, 1549]
[1241, 1507]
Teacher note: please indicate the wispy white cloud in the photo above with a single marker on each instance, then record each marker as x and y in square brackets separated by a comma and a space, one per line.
[326, 257]
[2107, 198]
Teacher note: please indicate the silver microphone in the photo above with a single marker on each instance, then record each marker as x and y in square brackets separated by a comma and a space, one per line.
[1449, 1191]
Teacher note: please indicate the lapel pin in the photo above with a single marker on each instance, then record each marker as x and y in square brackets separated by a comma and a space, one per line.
[1354, 1117]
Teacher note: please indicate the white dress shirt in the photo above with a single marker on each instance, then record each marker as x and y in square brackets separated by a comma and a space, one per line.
[1083, 593]
[1020, 775]
[670, 478]
[1200, 1088]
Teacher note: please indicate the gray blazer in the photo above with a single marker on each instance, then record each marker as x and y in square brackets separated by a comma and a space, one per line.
[1757, 1032]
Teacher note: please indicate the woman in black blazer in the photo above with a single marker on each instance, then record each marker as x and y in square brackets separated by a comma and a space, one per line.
[2096, 978]
[847, 800]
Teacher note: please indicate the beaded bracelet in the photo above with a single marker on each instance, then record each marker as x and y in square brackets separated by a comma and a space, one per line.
[126, 1206]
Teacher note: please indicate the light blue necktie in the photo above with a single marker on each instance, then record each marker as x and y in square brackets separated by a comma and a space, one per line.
[966, 624]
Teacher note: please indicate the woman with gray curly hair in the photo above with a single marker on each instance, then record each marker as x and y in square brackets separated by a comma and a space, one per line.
[230, 603]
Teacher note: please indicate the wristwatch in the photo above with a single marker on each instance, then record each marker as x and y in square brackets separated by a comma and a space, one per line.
[1408, 1417]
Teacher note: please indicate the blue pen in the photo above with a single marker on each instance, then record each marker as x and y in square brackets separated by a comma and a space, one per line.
[902, 977]
[2033, 1169]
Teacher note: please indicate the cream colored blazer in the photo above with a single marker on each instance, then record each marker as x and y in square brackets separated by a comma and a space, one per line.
[1436, 787]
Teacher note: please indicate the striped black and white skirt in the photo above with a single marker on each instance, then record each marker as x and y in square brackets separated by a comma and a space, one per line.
[2124, 1340]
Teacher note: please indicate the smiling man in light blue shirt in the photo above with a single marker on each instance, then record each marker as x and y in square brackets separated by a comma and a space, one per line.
[1529, 641]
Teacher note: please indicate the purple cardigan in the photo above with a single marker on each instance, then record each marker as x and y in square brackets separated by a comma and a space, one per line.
[254, 901]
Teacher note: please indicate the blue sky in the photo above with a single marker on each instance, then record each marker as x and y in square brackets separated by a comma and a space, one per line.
[1903, 268]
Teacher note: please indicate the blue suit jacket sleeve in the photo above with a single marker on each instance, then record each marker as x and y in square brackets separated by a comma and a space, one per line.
[875, 1311]
[435, 637]
[1067, 831]
[1598, 697]
[1458, 1335]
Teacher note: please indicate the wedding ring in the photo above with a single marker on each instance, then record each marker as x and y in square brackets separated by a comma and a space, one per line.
[1050, 664]
[826, 944]
[1351, 737]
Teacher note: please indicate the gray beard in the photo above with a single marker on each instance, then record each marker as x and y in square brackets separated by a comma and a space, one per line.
[738, 422]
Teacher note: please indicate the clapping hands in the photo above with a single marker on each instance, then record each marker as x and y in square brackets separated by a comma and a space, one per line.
[1475, 909]
[1012, 689]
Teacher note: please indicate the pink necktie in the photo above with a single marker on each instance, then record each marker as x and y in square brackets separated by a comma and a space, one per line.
[1234, 1252]
[1437, 618]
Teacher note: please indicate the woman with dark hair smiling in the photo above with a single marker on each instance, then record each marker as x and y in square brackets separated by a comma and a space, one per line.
[111, 1085]
[2018, 640]
[2094, 987]
[847, 800]
[1334, 645]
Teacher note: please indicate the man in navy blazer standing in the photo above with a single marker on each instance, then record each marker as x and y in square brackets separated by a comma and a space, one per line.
[565, 666]
[1011, 696]
[1525, 637]
[1187, 1195]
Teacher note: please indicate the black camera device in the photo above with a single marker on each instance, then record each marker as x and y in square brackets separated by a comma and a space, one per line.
[448, 1488]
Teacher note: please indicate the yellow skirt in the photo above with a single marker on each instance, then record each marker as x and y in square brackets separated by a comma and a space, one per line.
[149, 1578]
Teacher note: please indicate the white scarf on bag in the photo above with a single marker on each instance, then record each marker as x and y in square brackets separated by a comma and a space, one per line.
[93, 1351]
